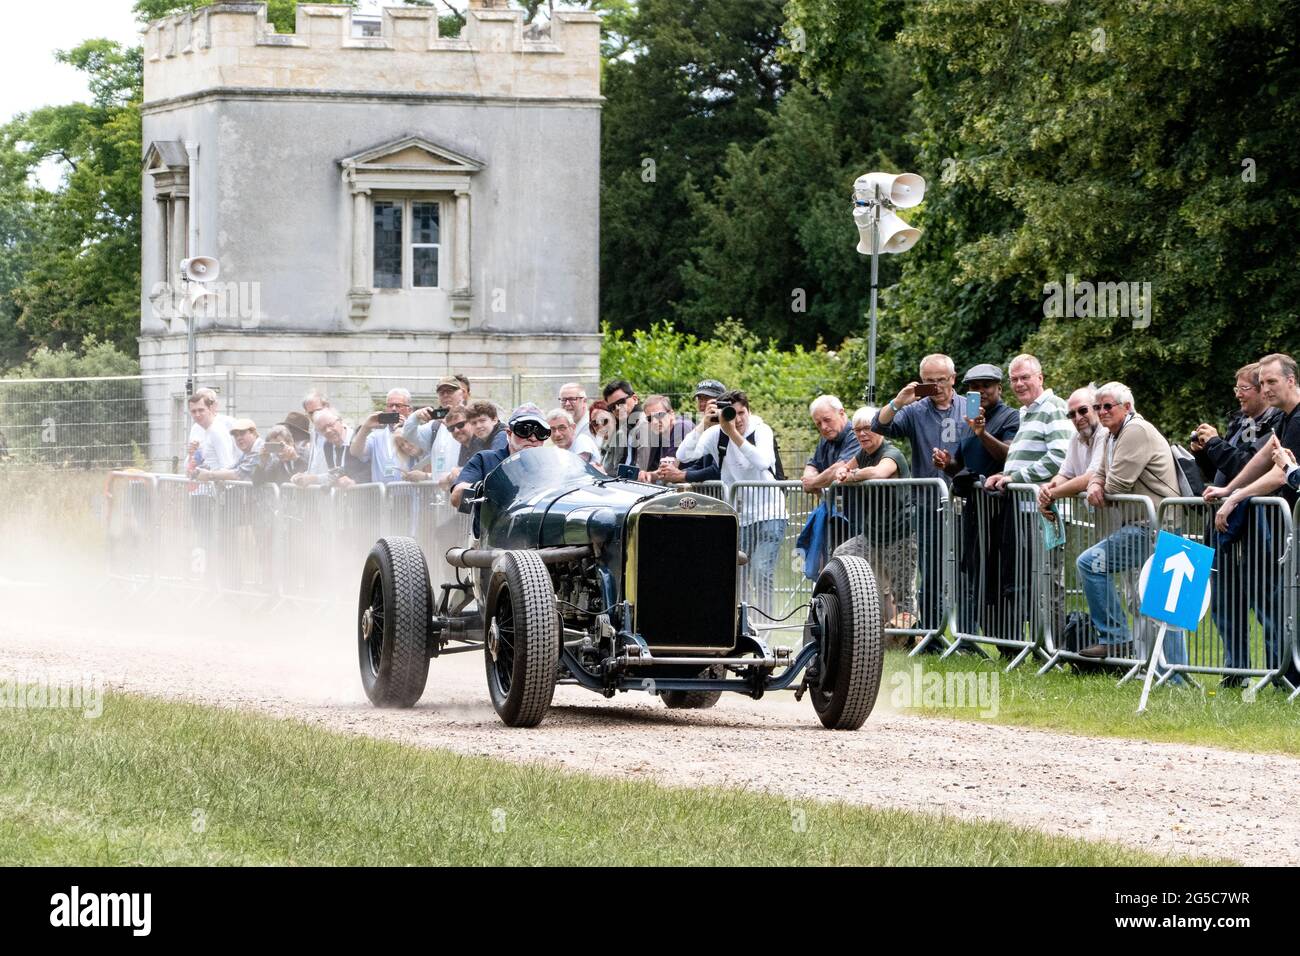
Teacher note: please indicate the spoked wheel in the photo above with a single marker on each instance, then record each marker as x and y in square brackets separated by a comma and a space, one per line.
[695, 699]
[845, 622]
[393, 623]
[523, 639]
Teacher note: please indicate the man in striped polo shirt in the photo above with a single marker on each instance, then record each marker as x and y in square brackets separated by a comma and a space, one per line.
[1038, 450]
[1035, 456]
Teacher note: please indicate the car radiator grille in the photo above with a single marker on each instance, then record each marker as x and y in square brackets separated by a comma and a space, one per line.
[686, 581]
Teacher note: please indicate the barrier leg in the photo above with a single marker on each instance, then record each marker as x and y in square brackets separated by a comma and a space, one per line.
[1015, 662]
[1129, 675]
[1052, 661]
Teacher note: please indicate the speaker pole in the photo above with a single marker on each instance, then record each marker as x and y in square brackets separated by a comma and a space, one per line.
[189, 342]
[875, 259]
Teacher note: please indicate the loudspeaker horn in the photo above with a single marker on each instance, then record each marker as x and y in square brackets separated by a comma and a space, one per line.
[902, 189]
[201, 269]
[895, 235]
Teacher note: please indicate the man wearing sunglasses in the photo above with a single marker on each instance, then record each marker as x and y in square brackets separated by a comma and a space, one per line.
[422, 429]
[667, 432]
[526, 428]
[630, 444]
[1279, 382]
[1136, 461]
[1081, 456]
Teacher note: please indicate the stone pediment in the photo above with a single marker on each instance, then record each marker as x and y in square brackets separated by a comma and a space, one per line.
[169, 164]
[166, 155]
[412, 154]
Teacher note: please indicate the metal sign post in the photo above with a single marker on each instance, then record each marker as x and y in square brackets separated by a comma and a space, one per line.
[1175, 589]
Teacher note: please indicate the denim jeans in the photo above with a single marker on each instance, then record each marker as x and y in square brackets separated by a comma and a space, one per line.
[1125, 550]
[761, 540]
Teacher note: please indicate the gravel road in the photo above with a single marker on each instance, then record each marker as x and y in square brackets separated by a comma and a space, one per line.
[1158, 797]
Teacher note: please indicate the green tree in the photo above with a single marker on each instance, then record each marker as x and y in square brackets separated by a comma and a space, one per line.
[69, 258]
[1106, 139]
[697, 77]
[776, 242]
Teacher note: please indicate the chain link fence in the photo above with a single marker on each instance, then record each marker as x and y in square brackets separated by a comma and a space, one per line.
[143, 421]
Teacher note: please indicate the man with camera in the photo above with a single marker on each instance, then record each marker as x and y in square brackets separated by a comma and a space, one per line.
[926, 415]
[1220, 459]
[707, 392]
[749, 455]
[375, 441]
[425, 429]
[991, 427]
[334, 464]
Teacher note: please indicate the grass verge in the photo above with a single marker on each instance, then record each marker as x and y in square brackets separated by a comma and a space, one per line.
[152, 782]
[1091, 704]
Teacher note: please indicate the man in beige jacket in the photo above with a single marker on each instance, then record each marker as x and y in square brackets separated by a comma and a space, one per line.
[1135, 461]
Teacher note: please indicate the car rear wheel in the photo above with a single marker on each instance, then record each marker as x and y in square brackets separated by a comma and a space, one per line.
[694, 699]
[393, 623]
[845, 621]
[523, 639]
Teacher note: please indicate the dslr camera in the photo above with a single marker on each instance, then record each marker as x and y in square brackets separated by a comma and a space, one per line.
[726, 410]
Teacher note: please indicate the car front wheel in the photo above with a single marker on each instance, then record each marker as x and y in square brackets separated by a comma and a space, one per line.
[845, 621]
[393, 623]
[523, 639]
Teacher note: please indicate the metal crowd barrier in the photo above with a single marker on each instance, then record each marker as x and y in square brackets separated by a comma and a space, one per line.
[1249, 631]
[132, 526]
[997, 602]
[274, 542]
[1293, 576]
[982, 567]
[1113, 541]
[902, 526]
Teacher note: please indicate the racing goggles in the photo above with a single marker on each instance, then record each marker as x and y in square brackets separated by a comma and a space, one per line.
[531, 430]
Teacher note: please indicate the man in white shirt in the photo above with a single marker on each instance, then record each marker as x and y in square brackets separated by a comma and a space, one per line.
[749, 455]
[428, 433]
[312, 403]
[564, 434]
[573, 399]
[217, 448]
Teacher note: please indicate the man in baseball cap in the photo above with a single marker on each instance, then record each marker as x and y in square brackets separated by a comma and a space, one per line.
[707, 392]
[244, 432]
[525, 428]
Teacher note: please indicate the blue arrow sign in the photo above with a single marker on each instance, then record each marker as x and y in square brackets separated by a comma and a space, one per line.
[1177, 586]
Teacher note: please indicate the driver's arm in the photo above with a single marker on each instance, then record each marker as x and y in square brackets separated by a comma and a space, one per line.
[458, 493]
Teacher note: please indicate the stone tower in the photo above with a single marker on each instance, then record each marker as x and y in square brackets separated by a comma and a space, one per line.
[394, 203]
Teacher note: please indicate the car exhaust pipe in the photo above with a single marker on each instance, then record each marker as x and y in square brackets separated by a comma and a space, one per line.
[487, 557]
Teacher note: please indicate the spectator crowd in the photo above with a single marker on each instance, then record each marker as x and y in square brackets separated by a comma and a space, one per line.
[1095, 443]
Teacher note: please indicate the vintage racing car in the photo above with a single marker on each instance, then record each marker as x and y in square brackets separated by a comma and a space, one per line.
[614, 585]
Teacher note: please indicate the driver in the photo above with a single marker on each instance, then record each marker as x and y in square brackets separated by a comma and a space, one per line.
[526, 428]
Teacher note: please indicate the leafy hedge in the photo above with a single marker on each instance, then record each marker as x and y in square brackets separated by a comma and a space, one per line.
[780, 383]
